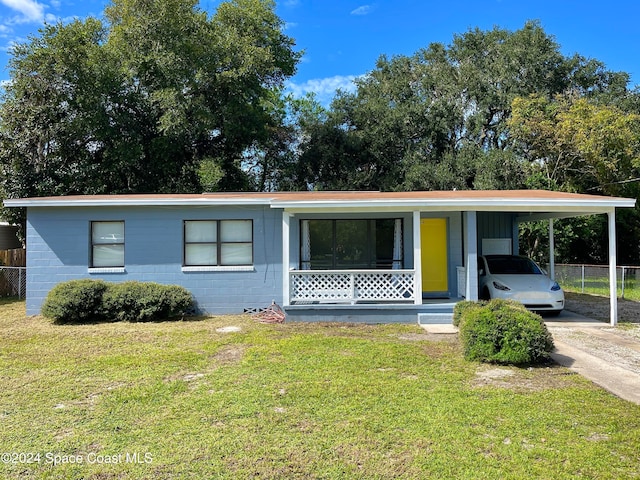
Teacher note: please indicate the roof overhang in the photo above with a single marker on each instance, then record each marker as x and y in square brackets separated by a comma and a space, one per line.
[532, 204]
[529, 205]
[135, 201]
[526, 207]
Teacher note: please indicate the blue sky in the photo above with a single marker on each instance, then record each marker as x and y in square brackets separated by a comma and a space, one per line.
[343, 39]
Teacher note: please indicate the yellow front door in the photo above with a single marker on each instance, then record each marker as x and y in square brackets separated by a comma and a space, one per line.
[433, 242]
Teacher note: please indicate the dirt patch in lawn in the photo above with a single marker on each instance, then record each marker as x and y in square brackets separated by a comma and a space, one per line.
[597, 307]
[229, 354]
[523, 379]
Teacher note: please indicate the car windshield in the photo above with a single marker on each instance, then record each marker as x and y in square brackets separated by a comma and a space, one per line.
[512, 266]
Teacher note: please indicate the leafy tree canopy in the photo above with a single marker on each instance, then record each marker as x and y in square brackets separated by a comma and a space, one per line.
[439, 118]
[576, 144]
[139, 102]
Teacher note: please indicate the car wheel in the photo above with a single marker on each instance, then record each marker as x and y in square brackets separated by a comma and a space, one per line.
[485, 294]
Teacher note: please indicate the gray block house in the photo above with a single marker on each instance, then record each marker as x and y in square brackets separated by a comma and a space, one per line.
[352, 256]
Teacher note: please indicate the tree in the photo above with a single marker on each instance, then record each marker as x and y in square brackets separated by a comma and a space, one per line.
[581, 145]
[438, 118]
[576, 144]
[144, 101]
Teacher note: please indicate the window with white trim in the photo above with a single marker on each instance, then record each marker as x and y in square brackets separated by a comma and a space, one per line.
[107, 244]
[218, 243]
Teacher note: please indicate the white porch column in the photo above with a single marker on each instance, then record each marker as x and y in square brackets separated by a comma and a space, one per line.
[552, 252]
[471, 255]
[286, 293]
[417, 259]
[613, 287]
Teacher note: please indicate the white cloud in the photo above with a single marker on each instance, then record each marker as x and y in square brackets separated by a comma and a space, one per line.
[324, 88]
[31, 10]
[10, 44]
[361, 10]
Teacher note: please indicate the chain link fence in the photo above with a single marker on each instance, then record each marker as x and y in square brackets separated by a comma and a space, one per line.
[13, 281]
[594, 279]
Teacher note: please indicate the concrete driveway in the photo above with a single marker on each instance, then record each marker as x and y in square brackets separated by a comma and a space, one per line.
[610, 357]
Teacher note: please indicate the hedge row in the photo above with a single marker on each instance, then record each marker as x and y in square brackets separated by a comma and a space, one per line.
[79, 301]
[502, 331]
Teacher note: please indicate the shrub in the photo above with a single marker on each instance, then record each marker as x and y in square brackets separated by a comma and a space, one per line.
[461, 308]
[505, 332]
[75, 301]
[145, 301]
[79, 301]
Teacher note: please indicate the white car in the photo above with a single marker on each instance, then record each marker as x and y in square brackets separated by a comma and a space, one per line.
[518, 278]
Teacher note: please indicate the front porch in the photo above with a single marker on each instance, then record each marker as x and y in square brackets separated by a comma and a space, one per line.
[369, 296]
[409, 276]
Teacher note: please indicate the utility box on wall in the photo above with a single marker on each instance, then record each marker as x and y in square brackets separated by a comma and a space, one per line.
[496, 246]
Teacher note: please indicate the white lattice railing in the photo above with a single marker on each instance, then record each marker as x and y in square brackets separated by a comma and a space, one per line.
[352, 286]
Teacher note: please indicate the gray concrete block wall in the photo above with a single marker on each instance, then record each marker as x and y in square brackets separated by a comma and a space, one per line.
[58, 247]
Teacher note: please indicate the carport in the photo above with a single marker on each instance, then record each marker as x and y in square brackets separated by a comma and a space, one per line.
[565, 205]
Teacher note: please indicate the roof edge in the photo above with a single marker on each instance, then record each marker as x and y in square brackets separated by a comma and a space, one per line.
[468, 199]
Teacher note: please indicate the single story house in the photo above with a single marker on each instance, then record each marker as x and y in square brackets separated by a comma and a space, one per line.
[355, 256]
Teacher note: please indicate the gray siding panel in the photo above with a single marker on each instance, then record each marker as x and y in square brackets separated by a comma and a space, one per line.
[496, 225]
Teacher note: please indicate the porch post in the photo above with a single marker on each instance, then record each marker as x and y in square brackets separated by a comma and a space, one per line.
[613, 287]
[286, 293]
[417, 260]
[552, 253]
[471, 255]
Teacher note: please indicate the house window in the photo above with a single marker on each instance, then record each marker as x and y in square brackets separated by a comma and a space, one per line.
[107, 244]
[218, 242]
[351, 244]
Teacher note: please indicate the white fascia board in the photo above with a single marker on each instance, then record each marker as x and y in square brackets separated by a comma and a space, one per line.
[529, 205]
[534, 217]
[159, 202]
[513, 205]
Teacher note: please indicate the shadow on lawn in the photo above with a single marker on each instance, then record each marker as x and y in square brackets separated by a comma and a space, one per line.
[98, 321]
[10, 300]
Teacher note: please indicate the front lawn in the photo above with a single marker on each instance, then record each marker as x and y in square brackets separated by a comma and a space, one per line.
[183, 400]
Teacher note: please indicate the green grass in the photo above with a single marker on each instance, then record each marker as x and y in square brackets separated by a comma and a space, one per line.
[293, 401]
[600, 286]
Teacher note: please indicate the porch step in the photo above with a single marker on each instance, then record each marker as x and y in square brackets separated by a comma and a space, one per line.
[431, 318]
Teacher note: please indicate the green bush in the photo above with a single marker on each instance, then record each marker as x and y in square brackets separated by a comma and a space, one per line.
[505, 332]
[461, 308]
[79, 301]
[146, 301]
[75, 301]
